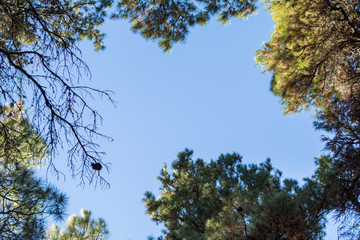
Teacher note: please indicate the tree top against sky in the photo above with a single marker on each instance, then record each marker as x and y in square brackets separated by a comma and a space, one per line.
[82, 227]
[226, 199]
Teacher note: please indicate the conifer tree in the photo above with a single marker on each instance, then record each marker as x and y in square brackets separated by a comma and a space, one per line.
[313, 53]
[25, 200]
[314, 58]
[226, 199]
[80, 228]
[169, 20]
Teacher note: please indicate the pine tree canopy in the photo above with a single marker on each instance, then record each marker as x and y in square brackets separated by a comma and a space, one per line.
[226, 199]
[26, 202]
[314, 58]
[169, 20]
[314, 52]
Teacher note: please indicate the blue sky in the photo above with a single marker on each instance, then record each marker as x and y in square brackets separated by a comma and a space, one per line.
[206, 95]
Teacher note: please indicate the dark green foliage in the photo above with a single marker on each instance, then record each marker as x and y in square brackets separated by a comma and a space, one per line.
[169, 20]
[342, 186]
[344, 164]
[226, 199]
[25, 201]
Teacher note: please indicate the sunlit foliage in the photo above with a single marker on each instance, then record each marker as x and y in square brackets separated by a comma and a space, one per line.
[80, 228]
[314, 52]
[314, 58]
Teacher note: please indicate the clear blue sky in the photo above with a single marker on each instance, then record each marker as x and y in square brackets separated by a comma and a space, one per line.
[206, 95]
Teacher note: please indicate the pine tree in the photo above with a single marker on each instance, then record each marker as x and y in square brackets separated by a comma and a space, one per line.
[26, 201]
[313, 53]
[80, 228]
[226, 199]
[169, 20]
[314, 58]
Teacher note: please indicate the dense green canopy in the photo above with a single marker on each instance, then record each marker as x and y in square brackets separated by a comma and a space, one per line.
[314, 58]
[226, 199]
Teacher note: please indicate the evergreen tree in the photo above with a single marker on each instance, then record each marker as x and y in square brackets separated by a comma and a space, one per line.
[226, 199]
[25, 200]
[80, 228]
[313, 53]
[314, 57]
[342, 194]
[169, 20]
